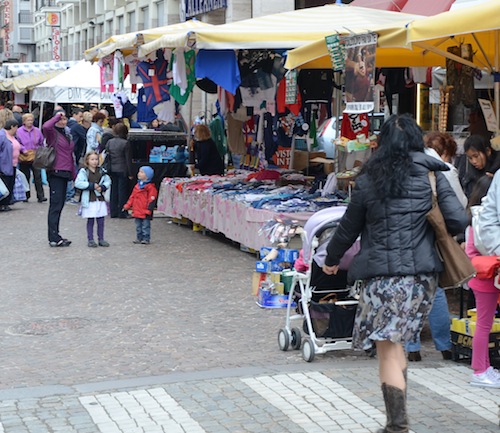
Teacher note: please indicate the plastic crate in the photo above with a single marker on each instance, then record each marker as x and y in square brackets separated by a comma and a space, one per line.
[461, 348]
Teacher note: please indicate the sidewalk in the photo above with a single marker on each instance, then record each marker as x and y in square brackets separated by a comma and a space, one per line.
[167, 338]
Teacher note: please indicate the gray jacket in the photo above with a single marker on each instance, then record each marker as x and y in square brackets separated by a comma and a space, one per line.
[396, 238]
[489, 218]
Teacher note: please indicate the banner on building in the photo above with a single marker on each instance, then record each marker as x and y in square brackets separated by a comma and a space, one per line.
[360, 72]
[191, 8]
[56, 43]
[6, 28]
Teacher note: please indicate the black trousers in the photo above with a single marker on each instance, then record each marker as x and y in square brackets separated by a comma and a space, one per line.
[118, 194]
[57, 186]
[27, 169]
[9, 183]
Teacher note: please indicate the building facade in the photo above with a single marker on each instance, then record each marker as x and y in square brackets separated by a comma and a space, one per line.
[44, 30]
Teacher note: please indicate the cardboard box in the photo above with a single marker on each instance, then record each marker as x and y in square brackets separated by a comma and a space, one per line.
[266, 300]
[261, 266]
[302, 159]
[328, 164]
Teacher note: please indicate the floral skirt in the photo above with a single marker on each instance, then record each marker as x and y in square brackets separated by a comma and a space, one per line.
[392, 308]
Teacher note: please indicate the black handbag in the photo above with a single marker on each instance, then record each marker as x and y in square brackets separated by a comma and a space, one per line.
[457, 266]
[45, 157]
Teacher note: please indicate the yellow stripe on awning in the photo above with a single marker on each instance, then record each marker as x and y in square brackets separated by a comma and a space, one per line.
[24, 82]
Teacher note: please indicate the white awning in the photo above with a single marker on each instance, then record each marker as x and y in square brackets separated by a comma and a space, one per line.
[14, 69]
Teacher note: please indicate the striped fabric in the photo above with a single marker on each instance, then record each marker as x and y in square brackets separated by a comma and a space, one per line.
[14, 69]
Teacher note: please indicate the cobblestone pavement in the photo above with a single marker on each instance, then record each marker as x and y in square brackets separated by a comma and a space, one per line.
[167, 338]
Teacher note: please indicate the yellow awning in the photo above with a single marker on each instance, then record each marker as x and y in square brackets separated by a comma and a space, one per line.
[295, 28]
[129, 42]
[25, 82]
[475, 25]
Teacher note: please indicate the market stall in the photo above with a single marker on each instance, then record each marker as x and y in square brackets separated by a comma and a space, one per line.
[237, 207]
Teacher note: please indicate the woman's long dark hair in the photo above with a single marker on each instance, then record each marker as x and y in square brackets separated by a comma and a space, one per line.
[389, 166]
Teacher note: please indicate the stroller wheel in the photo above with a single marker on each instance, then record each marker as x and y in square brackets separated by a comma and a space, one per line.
[308, 350]
[283, 339]
[296, 338]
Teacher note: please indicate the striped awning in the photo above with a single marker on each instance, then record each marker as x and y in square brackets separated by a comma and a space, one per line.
[14, 69]
[25, 82]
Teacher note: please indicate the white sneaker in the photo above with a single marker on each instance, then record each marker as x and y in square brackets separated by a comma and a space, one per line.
[490, 379]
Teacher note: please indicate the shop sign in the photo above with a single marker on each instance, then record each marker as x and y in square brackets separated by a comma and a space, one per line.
[489, 115]
[197, 7]
[53, 19]
[359, 72]
[6, 23]
[56, 43]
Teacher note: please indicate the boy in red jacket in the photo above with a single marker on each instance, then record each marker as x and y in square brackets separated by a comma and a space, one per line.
[142, 202]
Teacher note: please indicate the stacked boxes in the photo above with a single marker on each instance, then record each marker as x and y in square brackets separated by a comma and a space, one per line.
[272, 275]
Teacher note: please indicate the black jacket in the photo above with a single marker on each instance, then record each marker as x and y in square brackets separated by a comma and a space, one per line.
[208, 159]
[396, 238]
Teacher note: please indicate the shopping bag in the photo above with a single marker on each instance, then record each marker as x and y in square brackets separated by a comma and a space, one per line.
[4, 192]
[458, 268]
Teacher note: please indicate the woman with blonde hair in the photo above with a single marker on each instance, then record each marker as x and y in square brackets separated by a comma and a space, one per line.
[204, 154]
[5, 114]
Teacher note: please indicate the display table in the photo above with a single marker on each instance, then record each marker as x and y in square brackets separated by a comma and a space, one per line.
[234, 219]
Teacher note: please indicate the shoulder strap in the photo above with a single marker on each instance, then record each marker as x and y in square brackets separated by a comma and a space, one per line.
[432, 180]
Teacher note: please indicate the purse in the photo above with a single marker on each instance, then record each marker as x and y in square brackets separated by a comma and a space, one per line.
[45, 157]
[458, 269]
[27, 157]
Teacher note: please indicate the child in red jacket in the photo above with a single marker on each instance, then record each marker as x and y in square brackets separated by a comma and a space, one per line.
[142, 202]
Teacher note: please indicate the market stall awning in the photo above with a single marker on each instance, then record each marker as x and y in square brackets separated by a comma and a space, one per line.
[81, 83]
[427, 7]
[15, 69]
[386, 5]
[173, 40]
[24, 82]
[475, 25]
[128, 42]
[299, 27]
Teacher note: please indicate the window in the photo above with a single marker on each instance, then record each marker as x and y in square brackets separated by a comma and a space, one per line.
[132, 22]
[121, 25]
[160, 13]
[145, 18]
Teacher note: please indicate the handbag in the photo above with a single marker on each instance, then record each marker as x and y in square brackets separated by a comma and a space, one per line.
[45, 157]
[27, 157]
[458, 268]
[106, 163]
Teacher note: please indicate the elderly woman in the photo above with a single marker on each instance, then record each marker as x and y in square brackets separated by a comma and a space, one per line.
[397, 264]
[58, 135]
[31, 138]
[10, 149]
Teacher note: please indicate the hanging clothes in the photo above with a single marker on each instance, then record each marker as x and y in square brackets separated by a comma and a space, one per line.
[281, 100]
[218, 134]
[155, 81]
[235, 137]
[144, 113]
[220, 66]
[184, 77]
[106, 64]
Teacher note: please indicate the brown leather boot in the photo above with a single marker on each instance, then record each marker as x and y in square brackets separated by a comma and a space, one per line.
[395, 406]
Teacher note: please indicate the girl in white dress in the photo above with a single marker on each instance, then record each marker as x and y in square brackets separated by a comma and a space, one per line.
[93, 181]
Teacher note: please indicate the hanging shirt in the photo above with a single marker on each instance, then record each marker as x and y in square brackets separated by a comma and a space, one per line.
[155, 80]
[184, 77]
[220, 66]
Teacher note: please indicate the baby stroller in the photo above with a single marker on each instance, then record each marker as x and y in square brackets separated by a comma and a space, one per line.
[324, 302]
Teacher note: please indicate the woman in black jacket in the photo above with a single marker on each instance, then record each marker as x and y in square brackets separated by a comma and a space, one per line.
[204, 152]
[397, 265]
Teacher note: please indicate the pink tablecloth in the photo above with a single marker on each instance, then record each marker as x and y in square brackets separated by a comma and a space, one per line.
[236, 220]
